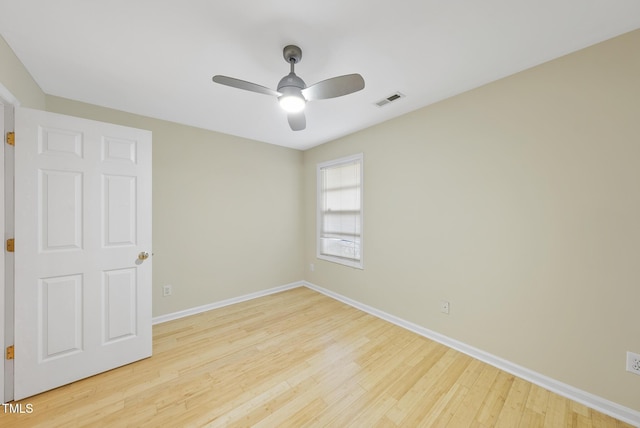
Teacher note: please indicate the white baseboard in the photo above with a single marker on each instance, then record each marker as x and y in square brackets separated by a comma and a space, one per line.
[215, 305]
[600, 404]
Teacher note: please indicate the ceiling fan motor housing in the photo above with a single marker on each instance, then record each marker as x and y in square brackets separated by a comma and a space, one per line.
[291, 86]
[291, 80]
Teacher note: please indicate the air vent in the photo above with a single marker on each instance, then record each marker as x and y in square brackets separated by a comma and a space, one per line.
[389, 99]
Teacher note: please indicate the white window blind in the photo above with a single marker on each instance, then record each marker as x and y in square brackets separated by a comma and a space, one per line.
[340, 211]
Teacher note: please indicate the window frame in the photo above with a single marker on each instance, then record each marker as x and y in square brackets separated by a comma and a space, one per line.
[359, 264]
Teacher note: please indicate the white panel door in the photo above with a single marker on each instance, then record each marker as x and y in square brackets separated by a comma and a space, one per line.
[82, 228]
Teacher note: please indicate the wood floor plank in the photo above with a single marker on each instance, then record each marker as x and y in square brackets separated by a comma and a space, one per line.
[443, 410]
[494, 400]
[425, 394]
[514, 404]
[301, 359]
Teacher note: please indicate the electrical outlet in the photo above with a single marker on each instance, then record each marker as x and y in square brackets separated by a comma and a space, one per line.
[312, 267]
[166, 291]
[444, 306]
[633, 363]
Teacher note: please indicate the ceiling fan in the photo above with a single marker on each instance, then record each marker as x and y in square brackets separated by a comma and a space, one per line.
[293, 93]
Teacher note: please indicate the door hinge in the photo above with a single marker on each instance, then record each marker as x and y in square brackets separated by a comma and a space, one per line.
[11, 138]
[10, 352]
[11, 245]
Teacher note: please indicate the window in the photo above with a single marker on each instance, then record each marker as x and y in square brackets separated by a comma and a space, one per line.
[339, 236]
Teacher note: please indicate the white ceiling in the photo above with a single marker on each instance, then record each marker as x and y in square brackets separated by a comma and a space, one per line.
[156, 57]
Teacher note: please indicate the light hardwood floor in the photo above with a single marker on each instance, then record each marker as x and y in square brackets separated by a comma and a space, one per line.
[299, 358]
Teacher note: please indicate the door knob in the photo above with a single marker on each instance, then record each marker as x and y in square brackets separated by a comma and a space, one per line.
[143, 256]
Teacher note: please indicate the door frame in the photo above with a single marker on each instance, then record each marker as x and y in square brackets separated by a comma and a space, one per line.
[8, 102]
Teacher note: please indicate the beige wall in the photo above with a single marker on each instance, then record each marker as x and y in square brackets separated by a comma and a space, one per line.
[519, 202]
[226, 211]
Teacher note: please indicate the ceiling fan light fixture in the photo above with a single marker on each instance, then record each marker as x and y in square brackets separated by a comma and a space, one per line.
[292, 100]
[293, 93]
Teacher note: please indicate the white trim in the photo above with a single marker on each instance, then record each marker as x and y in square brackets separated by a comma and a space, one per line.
[3, 303]
[216, 305]
[590, 400]
[9, 102]
[7, 98]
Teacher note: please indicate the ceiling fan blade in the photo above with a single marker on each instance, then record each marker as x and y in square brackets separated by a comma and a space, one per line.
[334, 87]
[297, 121]
[247, 86]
